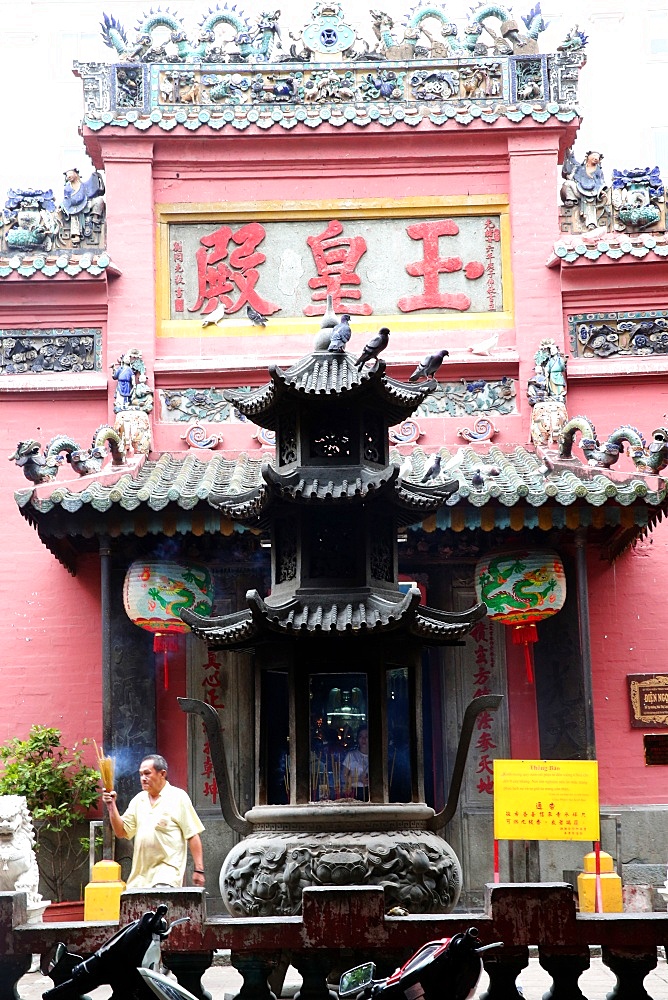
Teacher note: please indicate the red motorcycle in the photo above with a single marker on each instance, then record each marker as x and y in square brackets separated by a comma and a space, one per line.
[448, 969]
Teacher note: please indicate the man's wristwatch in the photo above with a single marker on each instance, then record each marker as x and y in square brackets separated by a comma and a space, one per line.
[198, 871]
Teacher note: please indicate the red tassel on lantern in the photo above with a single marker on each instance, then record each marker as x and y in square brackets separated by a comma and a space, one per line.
[165, 644]
[522, 636]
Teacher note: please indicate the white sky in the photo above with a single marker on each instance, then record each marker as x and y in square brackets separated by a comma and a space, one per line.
[41, 102]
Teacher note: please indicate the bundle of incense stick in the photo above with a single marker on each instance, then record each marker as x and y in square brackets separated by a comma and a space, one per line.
[106, 768]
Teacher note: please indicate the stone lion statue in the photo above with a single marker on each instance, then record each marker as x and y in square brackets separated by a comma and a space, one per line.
[18, 864]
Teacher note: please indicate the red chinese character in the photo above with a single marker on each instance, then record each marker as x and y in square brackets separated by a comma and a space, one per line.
[478, 632]
[218, 278]
[479, 692]
[210, 790]
[212, 699]
[482, 676]
[484, 721]
[487, 785]
[484, 765]
[432, 265]
[177, 246]
[485, 742]
[208, 768]
[336, 258]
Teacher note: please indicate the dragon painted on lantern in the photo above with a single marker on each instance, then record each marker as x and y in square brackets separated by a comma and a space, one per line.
[511, 588]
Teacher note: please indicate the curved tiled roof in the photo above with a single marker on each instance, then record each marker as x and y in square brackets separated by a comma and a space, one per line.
[323, 376]
[324, 484]
[178, 494]
[352, 615]
[609, 246]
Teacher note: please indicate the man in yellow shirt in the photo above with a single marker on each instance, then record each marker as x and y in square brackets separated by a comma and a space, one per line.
[162, 820]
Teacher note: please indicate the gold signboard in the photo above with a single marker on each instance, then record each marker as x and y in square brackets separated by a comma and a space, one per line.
[546, 800]
[648, 695]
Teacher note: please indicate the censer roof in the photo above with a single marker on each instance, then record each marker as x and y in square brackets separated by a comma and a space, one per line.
[325, 377]
[346, 615]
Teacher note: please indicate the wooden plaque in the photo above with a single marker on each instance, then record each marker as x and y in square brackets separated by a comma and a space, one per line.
[656, 748]
[648, 697]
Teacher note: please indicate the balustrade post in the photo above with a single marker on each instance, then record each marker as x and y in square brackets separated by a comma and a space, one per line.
[630, 967]
[13, 962]
[189, 967]
[503, 967]
[314, 968]
[12, 968]
[255, 969]
[565, 967]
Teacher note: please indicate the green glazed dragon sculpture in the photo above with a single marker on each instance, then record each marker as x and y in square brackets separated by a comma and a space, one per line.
[652, 458]
[84, 461]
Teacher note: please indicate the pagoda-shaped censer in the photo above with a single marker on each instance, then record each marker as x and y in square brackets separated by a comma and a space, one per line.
[337, 652]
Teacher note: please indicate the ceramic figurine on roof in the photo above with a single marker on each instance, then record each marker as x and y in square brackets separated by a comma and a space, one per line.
[585, 190]
[652, 458]
[247, 43]
[400, 48]
[510, 40]
[638, 199]
[133, 401]
[327, 36]
[82, 210]
[546, 392]
[84, 461]
[29, 221]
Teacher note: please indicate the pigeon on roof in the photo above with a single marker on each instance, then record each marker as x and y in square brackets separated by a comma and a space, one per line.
[429, 366]
[340, 335]
[374, 347]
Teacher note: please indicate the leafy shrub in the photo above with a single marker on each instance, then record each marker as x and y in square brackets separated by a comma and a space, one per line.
[60, 790]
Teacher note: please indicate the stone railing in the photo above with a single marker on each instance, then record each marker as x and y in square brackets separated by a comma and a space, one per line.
[340, 928]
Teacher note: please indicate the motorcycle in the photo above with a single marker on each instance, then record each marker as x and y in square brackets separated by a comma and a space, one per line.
[447, 969]
[115, 964]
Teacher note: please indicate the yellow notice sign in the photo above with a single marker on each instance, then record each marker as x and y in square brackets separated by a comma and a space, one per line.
[546, 800]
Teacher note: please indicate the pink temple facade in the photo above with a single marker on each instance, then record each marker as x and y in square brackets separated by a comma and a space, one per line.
[442, 223]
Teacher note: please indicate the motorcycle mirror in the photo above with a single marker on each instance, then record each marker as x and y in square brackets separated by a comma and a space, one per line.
[356, 979]
[164, 988]
[488, 947]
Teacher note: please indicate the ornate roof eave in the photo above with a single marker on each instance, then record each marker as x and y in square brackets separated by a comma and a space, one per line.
[181, 494]
[604, 249]
[56, 264]
[325, 376]
[373, 118]
[352, 616]
[326, 483]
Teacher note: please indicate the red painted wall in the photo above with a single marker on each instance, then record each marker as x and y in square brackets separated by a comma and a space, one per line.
[49, 633]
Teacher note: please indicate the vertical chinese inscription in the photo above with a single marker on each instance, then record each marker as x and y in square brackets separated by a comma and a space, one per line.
[210, 684]
[492, 236]
[485, 745]
[178, 278]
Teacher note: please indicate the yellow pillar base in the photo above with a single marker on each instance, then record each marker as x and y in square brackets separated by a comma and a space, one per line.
[611, 885]
[102, 896]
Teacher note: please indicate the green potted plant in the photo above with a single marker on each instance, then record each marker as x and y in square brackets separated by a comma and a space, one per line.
[60, 789]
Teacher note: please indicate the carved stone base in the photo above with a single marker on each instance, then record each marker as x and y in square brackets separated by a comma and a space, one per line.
[265, 874]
